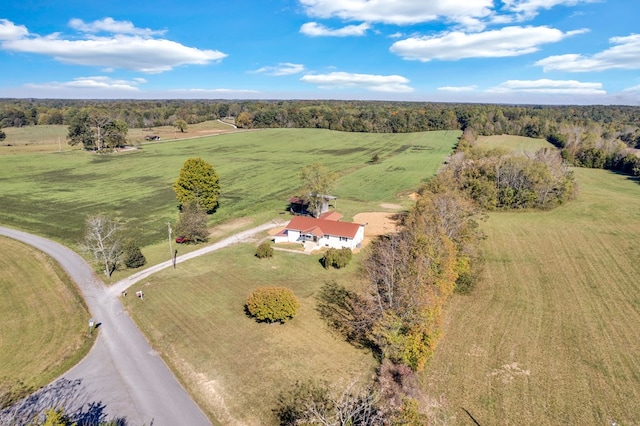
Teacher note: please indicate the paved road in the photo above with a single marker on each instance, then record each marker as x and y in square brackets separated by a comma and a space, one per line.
[122, 371]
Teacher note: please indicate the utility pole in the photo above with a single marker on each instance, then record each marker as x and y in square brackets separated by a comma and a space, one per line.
[173, 257]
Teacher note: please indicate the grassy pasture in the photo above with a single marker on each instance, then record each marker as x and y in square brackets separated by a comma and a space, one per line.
[50, 138]
[234, 366]
[51, 194]
[43, 320]
[517, 144]
[34, 139]
[550, 336]
[137, 136]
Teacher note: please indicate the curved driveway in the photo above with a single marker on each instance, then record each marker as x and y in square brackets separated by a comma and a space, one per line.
[122, 371]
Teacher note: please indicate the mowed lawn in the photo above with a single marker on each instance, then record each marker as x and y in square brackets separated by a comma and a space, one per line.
[51, 194]
[233, 366]
[550, 335]
[43, 320]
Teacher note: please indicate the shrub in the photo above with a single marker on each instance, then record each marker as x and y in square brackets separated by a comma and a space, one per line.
[264, 250]
[272, 304]
[133, 257]
[338, 258]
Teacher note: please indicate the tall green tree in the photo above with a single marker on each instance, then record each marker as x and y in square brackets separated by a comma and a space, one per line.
[180, 125]
[115, 134]
[80, 130]
[198, 184]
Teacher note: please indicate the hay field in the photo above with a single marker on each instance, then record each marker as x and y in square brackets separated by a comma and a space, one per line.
[43, 320]
[516, 144]
[50, 194]
[550, 335]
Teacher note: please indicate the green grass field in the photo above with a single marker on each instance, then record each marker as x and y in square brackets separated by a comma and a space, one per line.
[50, 194]
[233, 366]
[43, 320]
[550, 336]
[49, 138]
[517, 144]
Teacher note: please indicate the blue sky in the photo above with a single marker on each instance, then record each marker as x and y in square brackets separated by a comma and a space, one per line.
[511, 51]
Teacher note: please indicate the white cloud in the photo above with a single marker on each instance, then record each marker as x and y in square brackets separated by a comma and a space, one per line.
[110, 25]
[549, 87]
[625, 54]
[399, 12]
[313, 29]
[132, 52]
[633, 89]
[469, 14]
[376, 83]
[283, 68]
[527, 9]
[94, 82]
[458, 89]
[11, 31]
[507, 41]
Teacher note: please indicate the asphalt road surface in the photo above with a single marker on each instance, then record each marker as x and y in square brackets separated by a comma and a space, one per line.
[122, 371]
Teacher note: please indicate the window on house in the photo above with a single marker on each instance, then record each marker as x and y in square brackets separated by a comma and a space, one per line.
[344, 239]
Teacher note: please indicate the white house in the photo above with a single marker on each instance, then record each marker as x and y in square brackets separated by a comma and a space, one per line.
[325, 231]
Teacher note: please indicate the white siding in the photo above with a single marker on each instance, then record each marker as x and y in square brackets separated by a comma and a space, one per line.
[293, 236]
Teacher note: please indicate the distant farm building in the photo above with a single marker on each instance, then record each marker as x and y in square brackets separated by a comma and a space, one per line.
[325, 231]
[299, 205]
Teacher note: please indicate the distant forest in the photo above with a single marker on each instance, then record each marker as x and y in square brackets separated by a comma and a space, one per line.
[597, 136]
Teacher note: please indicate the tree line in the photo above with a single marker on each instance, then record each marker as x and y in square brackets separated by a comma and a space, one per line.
[351, 116]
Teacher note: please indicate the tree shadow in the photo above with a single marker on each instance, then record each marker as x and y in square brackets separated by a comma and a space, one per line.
[349, 314]
[68, 395]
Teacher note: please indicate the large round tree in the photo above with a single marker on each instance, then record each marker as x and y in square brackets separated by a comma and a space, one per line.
[198, 184]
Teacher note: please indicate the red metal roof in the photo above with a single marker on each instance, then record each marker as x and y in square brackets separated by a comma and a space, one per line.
[320, 227]
[335, 216]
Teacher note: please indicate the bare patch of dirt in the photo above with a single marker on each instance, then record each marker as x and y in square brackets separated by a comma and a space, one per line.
[414, 196]
[391, 206]
[227, 227]
[376, 224]
[275, 231]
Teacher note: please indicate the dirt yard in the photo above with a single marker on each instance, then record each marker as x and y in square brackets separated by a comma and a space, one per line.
[376, 224]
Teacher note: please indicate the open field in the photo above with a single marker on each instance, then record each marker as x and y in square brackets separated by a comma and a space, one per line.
[35, 139]
[214, 127]
[233, 366]
[517, 144]
[43, 320]
[51, 194]
[49, 138]
[550, 336]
